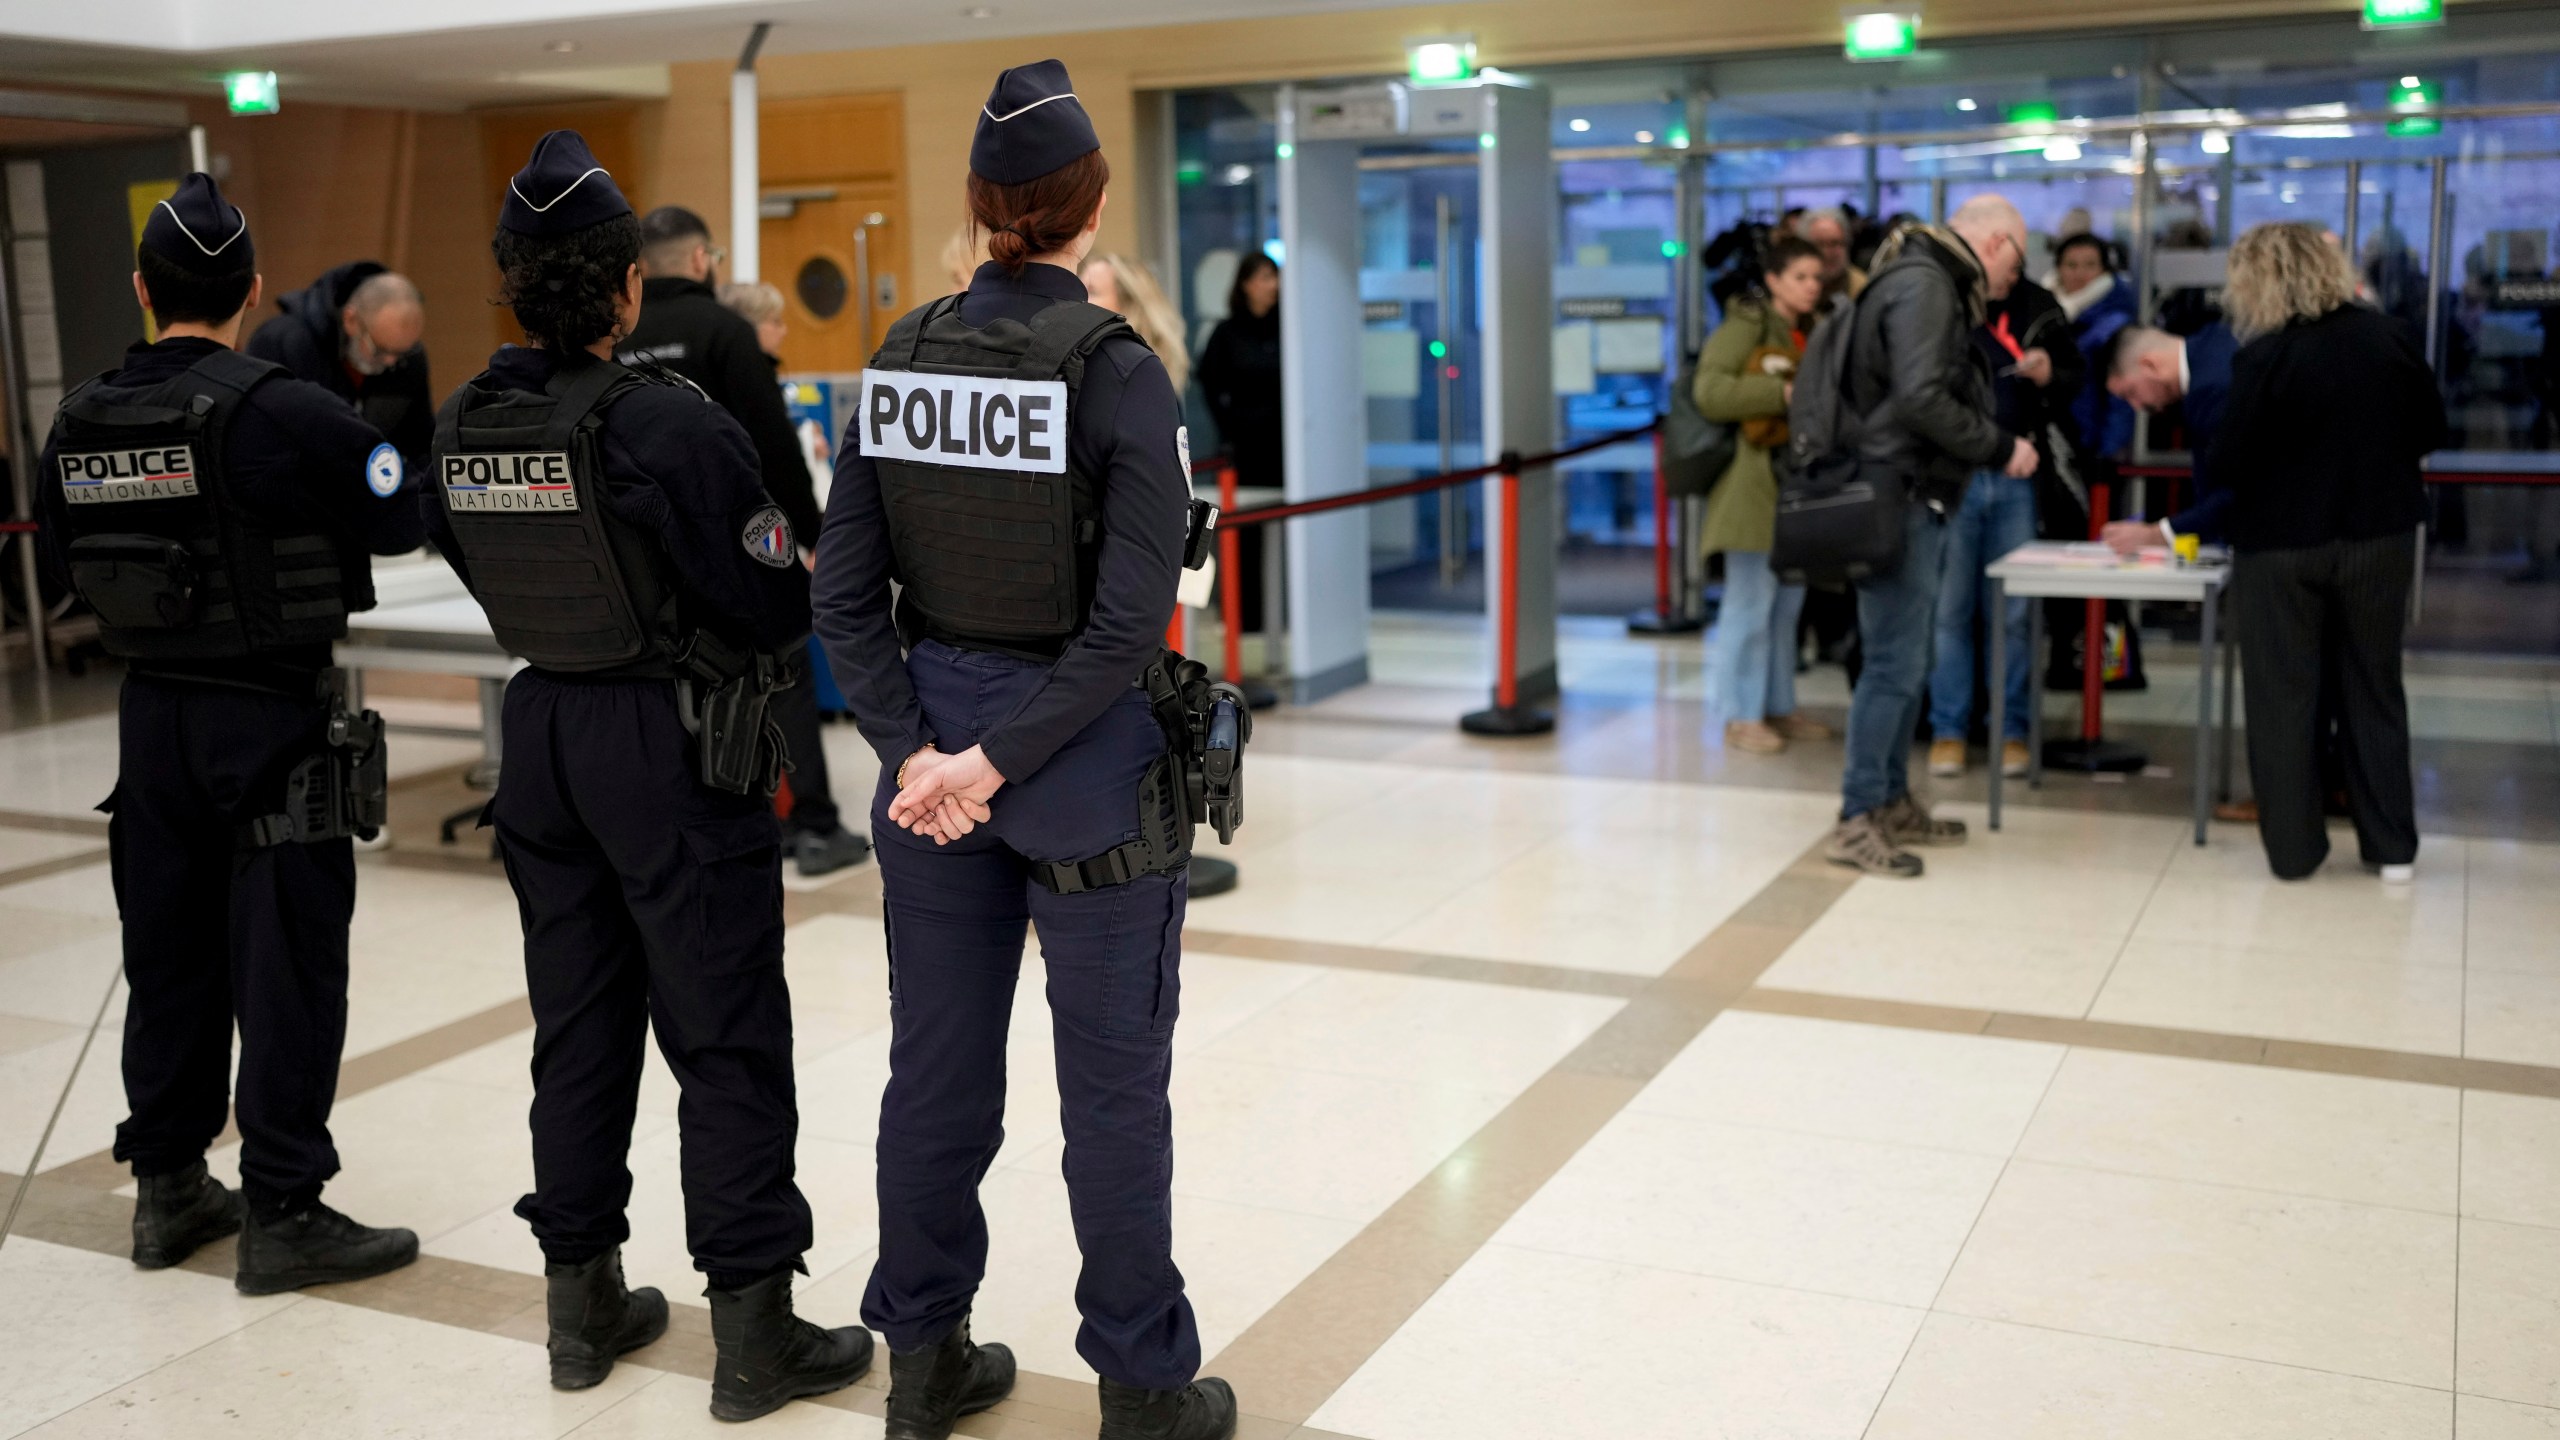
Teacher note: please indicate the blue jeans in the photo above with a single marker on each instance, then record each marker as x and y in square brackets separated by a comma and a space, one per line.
[1998, 516]
[1751, 661]
[1895, 617]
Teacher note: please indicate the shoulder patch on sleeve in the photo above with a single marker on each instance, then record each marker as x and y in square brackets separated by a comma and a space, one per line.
[1182, 448]
[383, 471]
[768, 538]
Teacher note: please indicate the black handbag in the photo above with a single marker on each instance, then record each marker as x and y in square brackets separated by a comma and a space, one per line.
[1839, 518]
[1696, 451]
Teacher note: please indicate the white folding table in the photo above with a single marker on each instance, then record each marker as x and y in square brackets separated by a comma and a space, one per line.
[2049, 570]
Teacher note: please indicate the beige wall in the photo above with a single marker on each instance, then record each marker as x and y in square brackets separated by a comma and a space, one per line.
[944, 84]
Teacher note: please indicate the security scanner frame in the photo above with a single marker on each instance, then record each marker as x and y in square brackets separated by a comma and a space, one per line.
[1324, 411]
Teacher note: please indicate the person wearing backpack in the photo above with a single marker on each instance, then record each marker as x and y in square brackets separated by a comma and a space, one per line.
[1744, 376]
[1917, 397]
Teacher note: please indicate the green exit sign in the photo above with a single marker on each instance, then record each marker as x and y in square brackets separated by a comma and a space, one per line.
[1880, 35]
[2394, 14]
[252, 92]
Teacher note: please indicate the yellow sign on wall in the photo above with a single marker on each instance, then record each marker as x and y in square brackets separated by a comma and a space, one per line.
[140, 200]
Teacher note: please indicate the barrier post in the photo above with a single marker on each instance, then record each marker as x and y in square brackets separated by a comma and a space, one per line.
[1508, 717]
[2090, 751]
[1667, 617]
[1230, 578]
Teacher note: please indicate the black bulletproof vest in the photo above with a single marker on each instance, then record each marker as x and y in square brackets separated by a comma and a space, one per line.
[992, 529]
[157, 540]
[568, 585]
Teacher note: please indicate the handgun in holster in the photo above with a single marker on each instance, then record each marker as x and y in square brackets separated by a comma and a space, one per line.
[343, 790]
[724, 695]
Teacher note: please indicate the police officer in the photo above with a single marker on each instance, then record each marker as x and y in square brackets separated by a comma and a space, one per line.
[217, 515]
[1017, 466]
[359, 332]
[611, 522]
[684, 327]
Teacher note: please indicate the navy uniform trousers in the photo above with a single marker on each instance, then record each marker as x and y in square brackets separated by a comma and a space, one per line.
[648, 900]
[956, 927]
[215, 934]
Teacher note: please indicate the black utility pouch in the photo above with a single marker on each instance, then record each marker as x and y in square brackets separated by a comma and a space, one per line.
[136, 582]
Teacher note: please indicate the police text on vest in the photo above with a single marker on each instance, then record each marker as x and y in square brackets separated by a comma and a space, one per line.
[971, 420]
[149, 472]
[508, 480]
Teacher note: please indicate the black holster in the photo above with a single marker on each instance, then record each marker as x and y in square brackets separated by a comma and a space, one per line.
[343, 790]
[724, 696]
[1200, 779]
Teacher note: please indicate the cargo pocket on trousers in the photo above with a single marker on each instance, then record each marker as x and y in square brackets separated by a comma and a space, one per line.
[736, 890]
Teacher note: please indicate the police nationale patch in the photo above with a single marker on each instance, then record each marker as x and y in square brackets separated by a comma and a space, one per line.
[383, 472]
[150, 472]
[768, 538]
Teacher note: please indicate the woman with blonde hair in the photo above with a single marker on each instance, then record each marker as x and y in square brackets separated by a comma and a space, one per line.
[1116, 282]
[2332, 409]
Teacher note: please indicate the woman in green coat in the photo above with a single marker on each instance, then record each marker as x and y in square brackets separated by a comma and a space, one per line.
[1745, 376]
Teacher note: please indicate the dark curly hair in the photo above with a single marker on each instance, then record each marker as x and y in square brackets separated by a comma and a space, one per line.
[564, 289]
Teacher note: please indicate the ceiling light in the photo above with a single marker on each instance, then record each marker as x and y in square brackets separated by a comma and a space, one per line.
[979, 12]
[2408, 82]
[2214, 142]
[2062, 150]
[1238, 174]
[1440, 60]
[1578, 125]
[562, 47]
[1966, 104]
[1644, 137]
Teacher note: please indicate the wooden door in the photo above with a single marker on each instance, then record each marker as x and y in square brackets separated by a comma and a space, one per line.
[839, 163]
[817, 258]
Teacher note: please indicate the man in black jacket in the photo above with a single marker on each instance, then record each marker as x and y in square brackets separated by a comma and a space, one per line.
[684, 327]
[359, 333]
[1924, 397]
[2035, 370]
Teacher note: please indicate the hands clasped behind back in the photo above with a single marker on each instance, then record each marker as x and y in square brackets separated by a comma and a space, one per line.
[944, 797]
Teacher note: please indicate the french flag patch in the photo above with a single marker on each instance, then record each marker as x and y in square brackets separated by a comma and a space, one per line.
[768, 538]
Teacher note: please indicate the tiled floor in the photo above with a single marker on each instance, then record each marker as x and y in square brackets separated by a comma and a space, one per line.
[1538, 1090]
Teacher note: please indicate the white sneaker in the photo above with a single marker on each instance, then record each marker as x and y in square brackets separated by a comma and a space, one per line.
[2399, 874]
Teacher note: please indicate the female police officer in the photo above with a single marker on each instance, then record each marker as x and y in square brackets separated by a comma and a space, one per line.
[1016, 465]
[614, 525]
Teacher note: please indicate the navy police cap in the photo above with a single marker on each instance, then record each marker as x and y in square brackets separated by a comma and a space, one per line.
[1030, 126]
[200, 232]
[560, 189]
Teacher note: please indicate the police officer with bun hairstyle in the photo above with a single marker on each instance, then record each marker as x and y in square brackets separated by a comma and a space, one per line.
[611, 522]
[1016, 465]
[217, 516]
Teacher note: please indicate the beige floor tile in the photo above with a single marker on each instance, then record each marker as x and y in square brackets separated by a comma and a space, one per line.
[2143, 843]
[2333, 999]
[2376, 1142]
[1221, 992]
[2511, 1158]
[395, 994]
[1410, 1027]
[31, 1080]
[2510, 1312]
[2012, 893]
[1980, 1380]
[321, 1371]
[88, 891]
[2297, 1281]
[63, 973]
[1981, 966]
[75, 1325]
[673, 1407]
[1236, 1260]
[2338, 913]
[1856, 1082]
[431, 1155]
[1272, 1136]
[2476, 1417]
[2511, 1016]
[1521, 1345]
[34, 847]
[1842, 1217]
[59, 769]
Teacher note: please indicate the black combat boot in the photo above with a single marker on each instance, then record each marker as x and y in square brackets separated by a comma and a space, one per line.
[932, 1386]
[1201, 1410]
[316, 1245]
[769, 1356]
[176, 1213]
[594, 1318]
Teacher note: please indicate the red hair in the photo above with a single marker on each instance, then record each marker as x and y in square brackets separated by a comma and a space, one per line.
[1037, 217]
